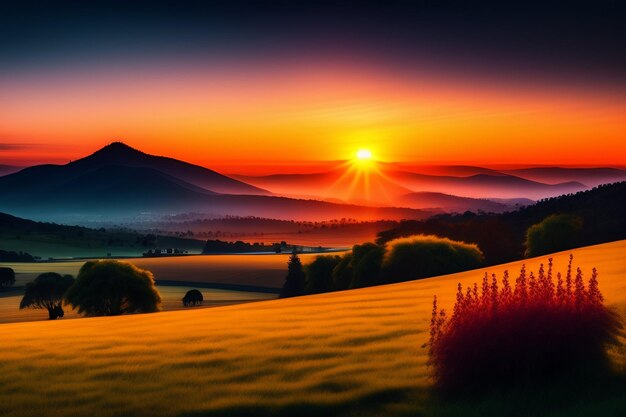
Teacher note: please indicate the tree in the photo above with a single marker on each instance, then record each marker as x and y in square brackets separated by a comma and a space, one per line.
[7, 277]
[366, 262]
[295, 280]
[110, 288]
[319, 274]
[422, 256]
[47, 292]
[192, 298]
[555, 233]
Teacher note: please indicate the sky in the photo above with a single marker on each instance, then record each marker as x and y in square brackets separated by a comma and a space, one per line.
[234, 84]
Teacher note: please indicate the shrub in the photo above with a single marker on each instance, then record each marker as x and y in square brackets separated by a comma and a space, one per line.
[555, 233]
[319, 274]
[47, 292]
[499, 334]
[192, 298]
[109, 288]
[7, 277]
[422, 256]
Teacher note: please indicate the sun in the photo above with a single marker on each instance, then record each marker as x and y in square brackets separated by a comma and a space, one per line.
[364, 154]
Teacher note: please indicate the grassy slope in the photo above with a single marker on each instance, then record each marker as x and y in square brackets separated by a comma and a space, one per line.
[350, 353]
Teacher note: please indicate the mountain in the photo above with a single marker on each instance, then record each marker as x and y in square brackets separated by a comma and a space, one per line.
[485, 185]
[393, 184]
[452, 203]
[119, 182]
[591, 177]
[118, 153]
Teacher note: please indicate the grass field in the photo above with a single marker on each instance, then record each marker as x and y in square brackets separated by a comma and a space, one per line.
[352, 353]
[256, 270]
[171, 295]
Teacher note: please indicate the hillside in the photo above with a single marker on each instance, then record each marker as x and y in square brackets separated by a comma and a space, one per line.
[501, 236]
[348, 353]
[452, 203]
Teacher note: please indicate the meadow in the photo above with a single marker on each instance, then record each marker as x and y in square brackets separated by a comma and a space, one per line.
[354, 353]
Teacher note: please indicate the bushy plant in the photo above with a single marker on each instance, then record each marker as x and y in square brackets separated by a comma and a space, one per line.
[555, 233]
[110, 288]
[500, 333]
[422, 256]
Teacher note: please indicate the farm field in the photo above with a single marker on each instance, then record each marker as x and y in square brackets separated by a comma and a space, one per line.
[254, 270]
[356, 353]
[171, 295]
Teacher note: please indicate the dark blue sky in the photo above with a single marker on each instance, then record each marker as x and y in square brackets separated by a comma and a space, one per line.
[580, 42]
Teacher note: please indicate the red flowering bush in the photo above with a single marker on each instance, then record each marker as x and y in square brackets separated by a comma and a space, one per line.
[502, 333]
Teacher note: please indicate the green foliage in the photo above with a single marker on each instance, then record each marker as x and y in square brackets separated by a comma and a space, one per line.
[7, 277]
[366, 263]
[422, 256]
[47, 292]
[319, 274]
[342, 273]
[555, 233]
[109, 288]
[295, 280]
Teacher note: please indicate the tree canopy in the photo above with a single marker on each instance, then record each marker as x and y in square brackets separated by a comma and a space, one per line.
[553, 234]
[110, 288]
[7, 277]
[47, 292]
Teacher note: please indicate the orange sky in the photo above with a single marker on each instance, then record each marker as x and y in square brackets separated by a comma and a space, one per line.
[220, 116]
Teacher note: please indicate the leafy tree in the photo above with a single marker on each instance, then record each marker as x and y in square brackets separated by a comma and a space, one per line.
[192, 298]
[555, 233]
[110, 288]
[342, 273]
[319, 274]
[295, 280]
[366, 263]
[423, 256]
[46, 292]
[7, 277]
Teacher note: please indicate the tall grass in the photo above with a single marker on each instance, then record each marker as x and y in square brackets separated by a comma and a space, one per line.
[538, 327]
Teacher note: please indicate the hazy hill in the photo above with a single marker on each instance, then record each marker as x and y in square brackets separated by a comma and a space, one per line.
[484, 185]
[591, 177]
[457, 204]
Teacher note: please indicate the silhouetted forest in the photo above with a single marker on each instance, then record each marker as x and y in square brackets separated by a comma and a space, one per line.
[11, 256]
[501, 237]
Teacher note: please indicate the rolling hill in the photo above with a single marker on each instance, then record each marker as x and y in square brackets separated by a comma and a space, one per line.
[591, 177]
[355, 352]
[452, 203]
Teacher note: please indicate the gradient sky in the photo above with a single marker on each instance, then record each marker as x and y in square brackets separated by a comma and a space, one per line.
[236, 83]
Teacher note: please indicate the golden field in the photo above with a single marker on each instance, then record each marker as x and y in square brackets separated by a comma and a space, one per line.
[348, 353]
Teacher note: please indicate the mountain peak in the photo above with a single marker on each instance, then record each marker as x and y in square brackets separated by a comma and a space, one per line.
[118, 148]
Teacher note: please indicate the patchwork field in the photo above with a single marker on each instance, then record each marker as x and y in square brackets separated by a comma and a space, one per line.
[349, 353]
[253, 270]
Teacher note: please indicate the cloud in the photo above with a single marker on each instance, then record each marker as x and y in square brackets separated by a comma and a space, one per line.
[4, 146]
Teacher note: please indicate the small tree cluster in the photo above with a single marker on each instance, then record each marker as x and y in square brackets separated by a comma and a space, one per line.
[501, 332]
[403, 259]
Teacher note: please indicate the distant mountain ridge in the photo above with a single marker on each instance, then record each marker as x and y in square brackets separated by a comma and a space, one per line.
[119, 182]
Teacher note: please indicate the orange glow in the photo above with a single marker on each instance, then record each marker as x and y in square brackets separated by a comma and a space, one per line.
[218, 118]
